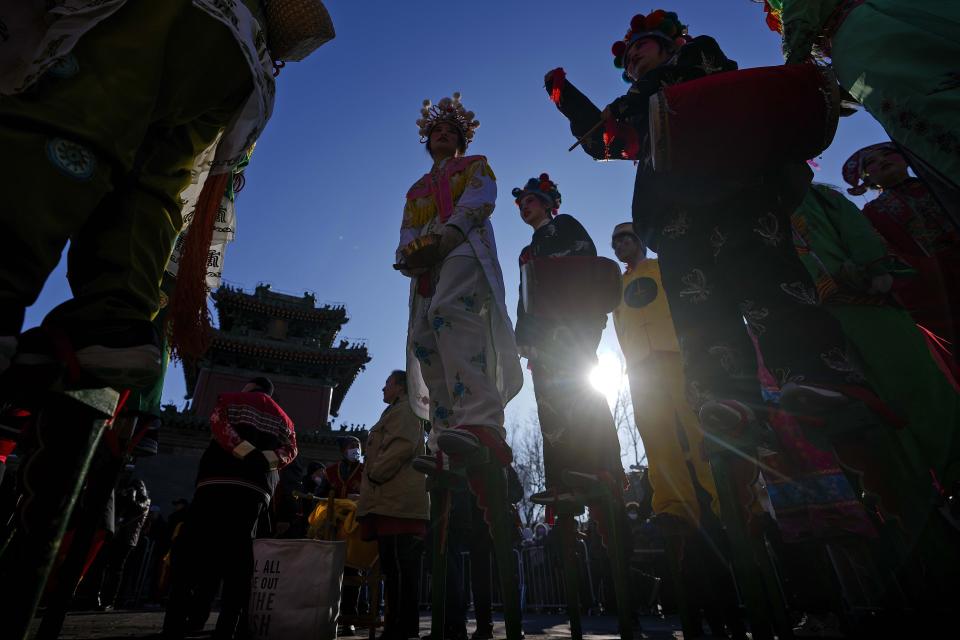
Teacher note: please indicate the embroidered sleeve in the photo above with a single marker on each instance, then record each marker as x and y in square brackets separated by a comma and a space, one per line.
[802, 22]
[583, 116]
[577, 238]
[863, 243]
[479, 197]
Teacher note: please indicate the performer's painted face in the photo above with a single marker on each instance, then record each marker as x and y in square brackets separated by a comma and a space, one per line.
[643, 56]
[533, 210]
[885, 168]
[444, 140]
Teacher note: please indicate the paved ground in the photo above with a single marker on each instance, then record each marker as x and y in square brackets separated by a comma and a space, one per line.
[120, 625]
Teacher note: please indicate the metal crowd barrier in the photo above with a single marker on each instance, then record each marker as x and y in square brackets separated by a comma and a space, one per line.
[541, 580]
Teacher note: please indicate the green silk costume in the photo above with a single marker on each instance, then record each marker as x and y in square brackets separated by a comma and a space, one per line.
[897, 57]
[830, 233]
[105, 141]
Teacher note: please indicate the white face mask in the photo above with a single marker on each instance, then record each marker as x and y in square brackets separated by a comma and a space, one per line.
[318, 480]
[633, 515]
[353, 455]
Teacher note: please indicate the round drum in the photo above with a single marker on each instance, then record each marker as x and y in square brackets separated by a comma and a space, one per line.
[747, 120]
[568, 286]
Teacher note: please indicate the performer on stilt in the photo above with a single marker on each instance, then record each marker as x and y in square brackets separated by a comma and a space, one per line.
[898, 58]
[462, 357]
[671, 433]
[462, 363]
[561, 349]
[918, 230]
[722, 235]
[855, 276]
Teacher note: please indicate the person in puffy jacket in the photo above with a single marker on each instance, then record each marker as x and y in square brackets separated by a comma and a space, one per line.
[394, 506]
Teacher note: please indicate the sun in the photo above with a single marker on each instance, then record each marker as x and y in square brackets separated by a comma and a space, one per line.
[607, 376]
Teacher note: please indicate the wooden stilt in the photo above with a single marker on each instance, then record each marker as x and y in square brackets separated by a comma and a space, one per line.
[571, 574]
[68, 429]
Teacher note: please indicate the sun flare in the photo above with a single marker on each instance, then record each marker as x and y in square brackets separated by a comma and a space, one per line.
[607, 376]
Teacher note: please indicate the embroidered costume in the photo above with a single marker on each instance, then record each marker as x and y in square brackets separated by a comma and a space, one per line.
[898, 58]
[109, 121]
[917, 230]
[575, 419]
[462, 364]
[670, 430]
[843, 254]
[722, 240]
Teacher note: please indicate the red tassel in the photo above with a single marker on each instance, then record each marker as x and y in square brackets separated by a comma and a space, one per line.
[559, 77]
[189, 317]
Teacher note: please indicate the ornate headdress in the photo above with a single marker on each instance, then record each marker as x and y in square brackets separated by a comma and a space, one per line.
[663, 25]
[854, 167]
[542, 187]
[447, 110]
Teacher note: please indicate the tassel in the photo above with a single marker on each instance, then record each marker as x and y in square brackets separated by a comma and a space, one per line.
[609, 135]
[559, 77]
[189, 318]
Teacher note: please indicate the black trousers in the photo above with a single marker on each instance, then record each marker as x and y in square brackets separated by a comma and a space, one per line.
[217, 540]
[734, 262]
[400, 564]
[575, 419]
[111, 576]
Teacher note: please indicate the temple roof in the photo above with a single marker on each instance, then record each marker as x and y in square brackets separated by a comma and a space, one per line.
[288, 351]
[272, 333]
[277, 305]
[336, 367]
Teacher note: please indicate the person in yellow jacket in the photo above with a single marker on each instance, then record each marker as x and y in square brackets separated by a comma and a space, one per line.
[668, 426]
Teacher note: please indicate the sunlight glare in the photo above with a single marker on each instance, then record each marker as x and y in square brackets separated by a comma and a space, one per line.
[607, 376]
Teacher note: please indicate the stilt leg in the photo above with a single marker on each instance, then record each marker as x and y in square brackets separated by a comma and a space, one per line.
[501, 531]
[688, 623]
[439, 517]
[618, 564]
[748, 580]
[68, 430]
[571, 578]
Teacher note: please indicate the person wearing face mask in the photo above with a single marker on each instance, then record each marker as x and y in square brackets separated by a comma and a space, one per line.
[343, 479]
[917, 229]
[575, 420]
[314, 477]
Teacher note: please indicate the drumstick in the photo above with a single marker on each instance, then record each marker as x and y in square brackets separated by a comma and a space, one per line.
[586, 135]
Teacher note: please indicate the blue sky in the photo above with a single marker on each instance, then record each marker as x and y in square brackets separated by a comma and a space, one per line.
[325, 190]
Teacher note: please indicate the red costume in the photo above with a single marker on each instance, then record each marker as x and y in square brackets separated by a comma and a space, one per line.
[344, 478]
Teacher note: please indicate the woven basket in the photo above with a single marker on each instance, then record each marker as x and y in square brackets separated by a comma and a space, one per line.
[296, 28]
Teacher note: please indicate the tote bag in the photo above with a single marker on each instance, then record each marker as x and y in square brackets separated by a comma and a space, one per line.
[296, 589]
